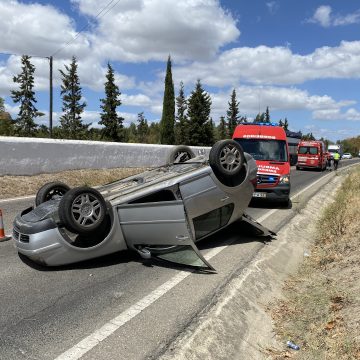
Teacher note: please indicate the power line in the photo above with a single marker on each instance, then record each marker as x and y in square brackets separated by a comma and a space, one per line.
[97, 16]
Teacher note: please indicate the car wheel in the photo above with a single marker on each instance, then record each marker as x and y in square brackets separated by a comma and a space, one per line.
[82, 210]
[51, 191]
[180, 154]
[226, 158]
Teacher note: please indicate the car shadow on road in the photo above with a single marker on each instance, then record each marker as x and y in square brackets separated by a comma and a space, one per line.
[119, 257]
[238, 232]
[267, 204]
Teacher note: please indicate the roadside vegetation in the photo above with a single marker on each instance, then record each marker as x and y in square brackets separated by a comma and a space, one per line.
[320, 311]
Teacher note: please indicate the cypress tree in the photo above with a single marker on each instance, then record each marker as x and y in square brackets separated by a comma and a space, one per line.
[113, 124]
[199, 107]
[72, 126]
[232, 114]
[25, 124]
[182, 135]
[167, 122]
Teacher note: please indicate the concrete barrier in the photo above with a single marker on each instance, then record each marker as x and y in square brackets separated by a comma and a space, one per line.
[30, 156]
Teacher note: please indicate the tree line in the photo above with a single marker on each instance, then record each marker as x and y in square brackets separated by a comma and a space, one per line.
[184, 120]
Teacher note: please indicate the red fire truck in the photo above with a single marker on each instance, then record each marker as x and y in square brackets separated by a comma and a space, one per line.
[267, 143]
[312, 155]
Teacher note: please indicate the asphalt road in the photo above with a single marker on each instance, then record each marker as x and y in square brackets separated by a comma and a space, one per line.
[136, 309]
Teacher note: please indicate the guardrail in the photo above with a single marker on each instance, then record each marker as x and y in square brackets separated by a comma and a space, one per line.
[30, 156]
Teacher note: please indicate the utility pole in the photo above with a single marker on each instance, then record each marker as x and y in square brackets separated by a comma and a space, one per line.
[51, 96]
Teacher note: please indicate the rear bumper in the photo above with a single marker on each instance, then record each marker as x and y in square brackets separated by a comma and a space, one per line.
[308, 166]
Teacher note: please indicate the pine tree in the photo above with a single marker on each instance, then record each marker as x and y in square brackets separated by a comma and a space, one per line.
[281, 123]
[131, 133]
[182, 123]
[167, 122]
[267, 115]
[222, 129]
[154, 133]
[25, 124]
[7, 127]
[72, 126]
[142, 129]
[2, 105]
[113, 124]
[199, 107]
[260, 118]
[232, 114]
[286, 125]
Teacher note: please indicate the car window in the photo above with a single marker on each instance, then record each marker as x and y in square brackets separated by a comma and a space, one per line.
[162, 195]
[213, 220]
[273, 150]
[183, 255]
[308, 150]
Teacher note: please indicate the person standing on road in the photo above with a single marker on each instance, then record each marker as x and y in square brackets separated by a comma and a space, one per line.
[336, 159]
[329, 161]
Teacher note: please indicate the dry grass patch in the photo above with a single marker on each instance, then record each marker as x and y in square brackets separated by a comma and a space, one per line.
[13, 186]
[321, 309]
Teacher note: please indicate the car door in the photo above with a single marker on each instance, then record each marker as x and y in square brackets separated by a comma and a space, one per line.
[201, 197]
[161, 228]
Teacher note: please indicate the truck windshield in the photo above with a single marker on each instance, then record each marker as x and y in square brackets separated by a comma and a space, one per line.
[308, 150]
[270, 150]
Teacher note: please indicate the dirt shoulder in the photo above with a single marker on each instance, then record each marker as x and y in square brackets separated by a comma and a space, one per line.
[320, 309]
[263, 307]
[14, 186]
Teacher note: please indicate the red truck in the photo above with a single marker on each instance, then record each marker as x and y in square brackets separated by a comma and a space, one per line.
[267, 144]
[311, 155]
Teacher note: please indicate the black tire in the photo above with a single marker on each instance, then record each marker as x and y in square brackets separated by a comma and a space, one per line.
[180, 154]
[82, 210]
[226, 158]
[50, 191]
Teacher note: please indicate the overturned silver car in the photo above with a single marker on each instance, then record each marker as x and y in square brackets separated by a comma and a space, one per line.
[162, 212]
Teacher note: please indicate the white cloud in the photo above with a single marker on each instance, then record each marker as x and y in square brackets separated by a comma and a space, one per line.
[272, 6]
[136, 100]
[337, 115]
[35, 29]
[255, 99]
[277, 65]
[323, 16]
[189, 29]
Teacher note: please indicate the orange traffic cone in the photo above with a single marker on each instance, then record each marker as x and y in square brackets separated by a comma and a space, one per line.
[3, 237]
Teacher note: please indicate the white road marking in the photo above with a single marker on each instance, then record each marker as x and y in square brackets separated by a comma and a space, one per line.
[17, 199]
[85, 345]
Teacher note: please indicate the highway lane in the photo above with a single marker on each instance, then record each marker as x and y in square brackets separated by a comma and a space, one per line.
[45, 311]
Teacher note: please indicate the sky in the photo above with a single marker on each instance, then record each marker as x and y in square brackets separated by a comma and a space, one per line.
[299, 58]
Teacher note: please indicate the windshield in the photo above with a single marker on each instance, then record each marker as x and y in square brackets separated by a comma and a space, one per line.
[308, 150]
[259, 149]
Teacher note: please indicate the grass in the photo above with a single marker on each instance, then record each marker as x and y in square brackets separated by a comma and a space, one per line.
[321, 307]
